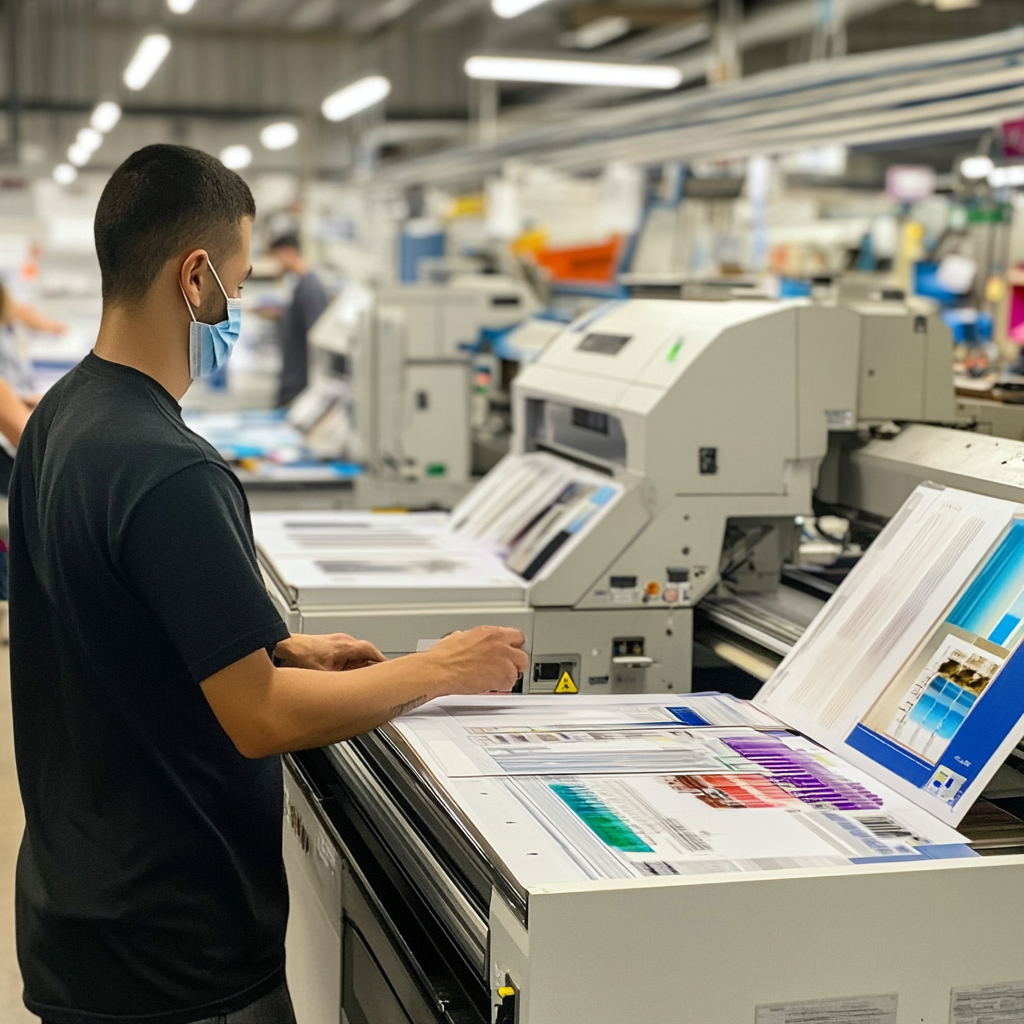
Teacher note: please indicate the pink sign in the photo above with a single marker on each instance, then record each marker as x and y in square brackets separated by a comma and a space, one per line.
[1013, 137]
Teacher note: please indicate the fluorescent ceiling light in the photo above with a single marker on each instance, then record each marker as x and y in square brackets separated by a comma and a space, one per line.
[236, 158]
[64, 174]
[89, 139]
[598, 32]
[105, 116]
[513, 8]
[573, 72]
[180, 6]
[1007, 177]
[78, 155]
[147, 58]
[279, 135]
[974, 168]
[355, 98]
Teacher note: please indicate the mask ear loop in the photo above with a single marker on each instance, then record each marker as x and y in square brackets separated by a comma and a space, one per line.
[216, 276]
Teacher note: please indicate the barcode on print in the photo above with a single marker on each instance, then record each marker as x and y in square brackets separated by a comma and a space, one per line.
[885, 826]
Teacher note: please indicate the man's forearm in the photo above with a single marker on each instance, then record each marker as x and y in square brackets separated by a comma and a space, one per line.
[267, 710]
[334, 652]
[285, 709]
[13, 414]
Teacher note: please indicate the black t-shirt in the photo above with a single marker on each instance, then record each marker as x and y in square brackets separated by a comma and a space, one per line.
[150, 883]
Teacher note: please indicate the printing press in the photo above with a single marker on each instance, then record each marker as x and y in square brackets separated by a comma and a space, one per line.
[416, 896]
[407, 357]
[660, 448]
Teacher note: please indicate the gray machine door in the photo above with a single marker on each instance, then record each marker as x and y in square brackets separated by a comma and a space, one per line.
[366, 995]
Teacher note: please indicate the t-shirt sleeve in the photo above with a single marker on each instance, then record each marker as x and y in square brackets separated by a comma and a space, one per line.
[187, 550]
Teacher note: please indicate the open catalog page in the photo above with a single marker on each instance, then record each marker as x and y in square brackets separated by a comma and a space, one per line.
[909, 672]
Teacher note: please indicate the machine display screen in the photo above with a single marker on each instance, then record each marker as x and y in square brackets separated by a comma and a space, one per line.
[587, 419]
[606, 344]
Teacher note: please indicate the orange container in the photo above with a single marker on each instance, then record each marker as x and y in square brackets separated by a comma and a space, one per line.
[582, 263]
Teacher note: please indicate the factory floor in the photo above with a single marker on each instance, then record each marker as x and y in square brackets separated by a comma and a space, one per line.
[12, 1010]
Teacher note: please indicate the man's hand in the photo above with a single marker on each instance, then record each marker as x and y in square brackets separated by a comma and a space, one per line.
[479, 660]
[269, 710]
[332, 652]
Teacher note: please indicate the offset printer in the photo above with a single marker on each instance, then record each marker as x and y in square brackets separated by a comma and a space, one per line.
[685, 859]
[406, 351]
[660, 447]
[418, 894]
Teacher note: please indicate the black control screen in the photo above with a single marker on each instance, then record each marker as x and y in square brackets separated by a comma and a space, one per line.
[606, 344]
[587, 419]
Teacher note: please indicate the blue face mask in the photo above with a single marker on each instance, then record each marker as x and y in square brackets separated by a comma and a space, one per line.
[210, 345]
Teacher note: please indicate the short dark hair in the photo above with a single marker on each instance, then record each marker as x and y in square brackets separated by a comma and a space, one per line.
[289, 241]
[160, 200]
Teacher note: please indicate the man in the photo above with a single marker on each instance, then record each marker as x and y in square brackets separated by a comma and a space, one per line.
[153, 681]
[309, 300]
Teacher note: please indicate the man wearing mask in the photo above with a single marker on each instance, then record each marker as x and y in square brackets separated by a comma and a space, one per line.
[154, 684]
[308, 301]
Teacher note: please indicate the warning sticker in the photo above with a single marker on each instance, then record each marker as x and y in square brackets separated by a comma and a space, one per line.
[856, 1010]
[566, 685]
[987, 1004]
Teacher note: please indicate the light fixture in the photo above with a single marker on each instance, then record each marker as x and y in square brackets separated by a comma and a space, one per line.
[180, 6]
[976, 167]
[78, 154]
[279, 135]
[145, 61]
[513, 8]
[89, 139]
[355, 98]
[64, 174]
[598, 32]
[105, 116]
[573, 72]
[235, 158]
[1007, 177]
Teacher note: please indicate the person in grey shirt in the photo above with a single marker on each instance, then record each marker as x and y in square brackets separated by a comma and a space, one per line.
[309, 300]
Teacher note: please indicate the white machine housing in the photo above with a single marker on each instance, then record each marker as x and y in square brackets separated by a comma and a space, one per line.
[716, 412]
[648, 433]
[407, 350]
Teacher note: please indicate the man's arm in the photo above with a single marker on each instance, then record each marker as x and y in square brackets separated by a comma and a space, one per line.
[331, 652]
[35, 320]
[269, 710]
[13, 414]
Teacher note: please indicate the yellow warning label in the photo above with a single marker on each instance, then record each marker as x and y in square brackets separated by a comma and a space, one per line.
[566, 685]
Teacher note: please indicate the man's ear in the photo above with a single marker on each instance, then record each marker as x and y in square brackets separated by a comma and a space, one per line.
[192, 276]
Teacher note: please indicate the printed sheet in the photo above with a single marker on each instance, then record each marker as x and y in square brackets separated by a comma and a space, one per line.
[637, 786]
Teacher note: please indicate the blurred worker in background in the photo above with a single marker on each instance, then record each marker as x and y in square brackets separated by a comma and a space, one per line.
[17, 398]
[14, 364]
[17, 387]
[309, 300]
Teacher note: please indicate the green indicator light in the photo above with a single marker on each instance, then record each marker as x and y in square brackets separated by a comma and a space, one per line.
[674, 350]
